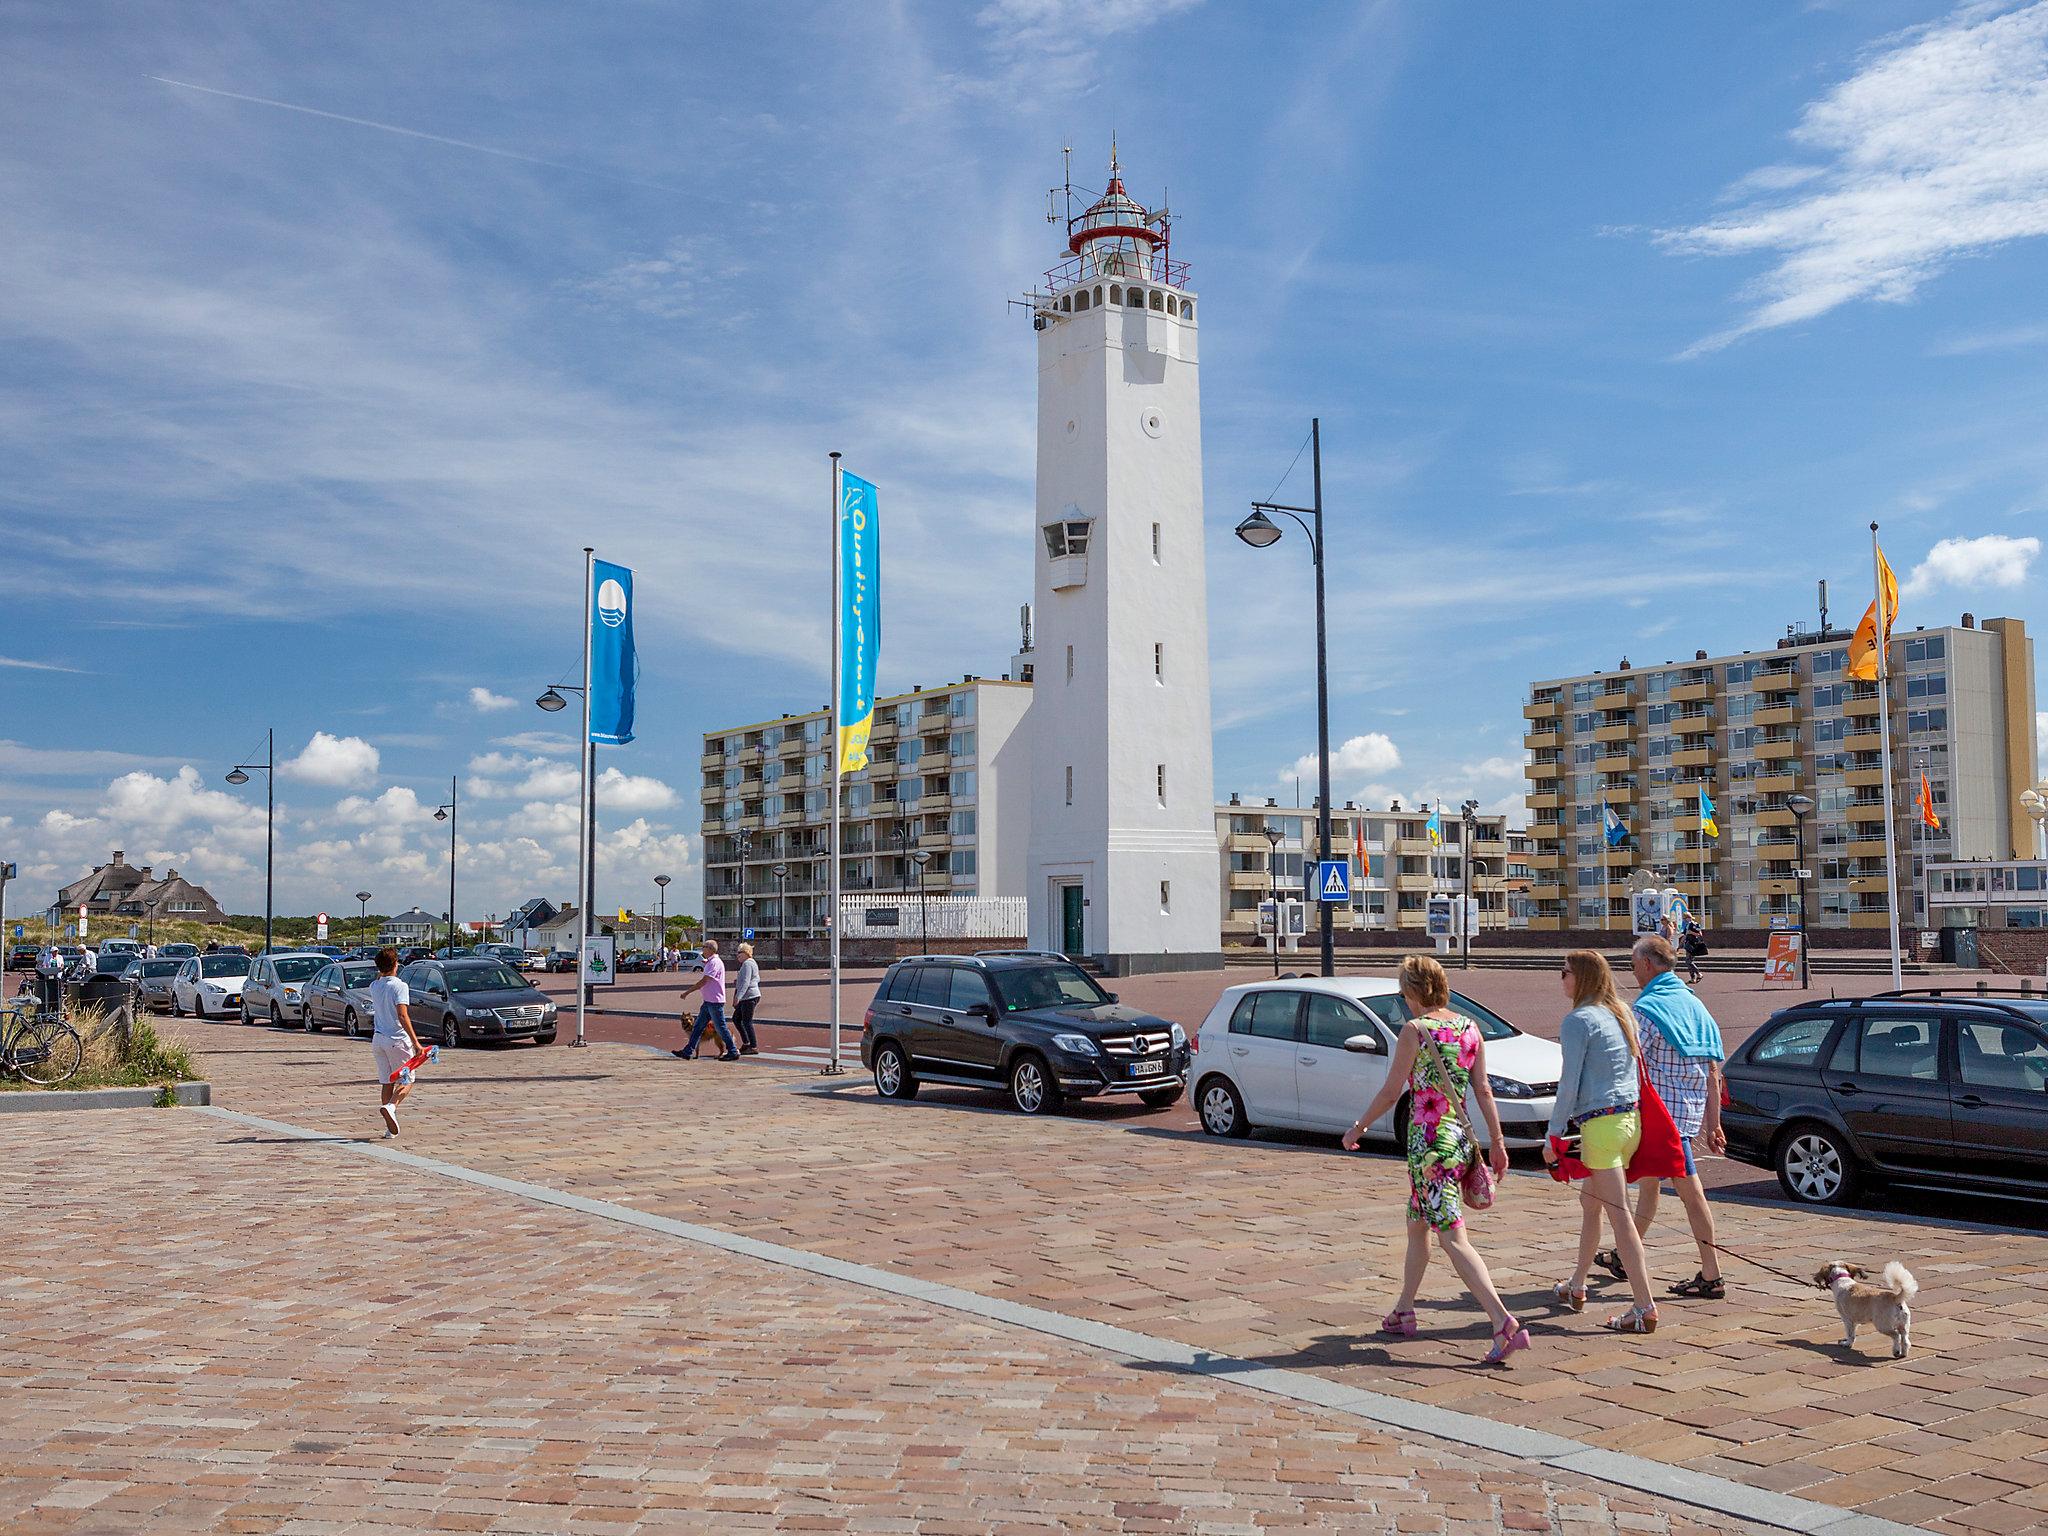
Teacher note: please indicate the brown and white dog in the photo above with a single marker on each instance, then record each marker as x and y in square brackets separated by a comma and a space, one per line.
[1884, 1305]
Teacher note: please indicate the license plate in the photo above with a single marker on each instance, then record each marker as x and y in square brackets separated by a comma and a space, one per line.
[1147, 1068]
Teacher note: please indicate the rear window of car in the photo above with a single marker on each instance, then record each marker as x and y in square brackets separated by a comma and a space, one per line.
[484, 978]
[296, 967]
[224, 965]
[161, 967]
[1269, 1015]
[1794, 1043]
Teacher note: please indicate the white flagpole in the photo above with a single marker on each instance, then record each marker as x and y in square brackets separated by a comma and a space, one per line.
[585, 854]
[1884, 719]
[832, 1066]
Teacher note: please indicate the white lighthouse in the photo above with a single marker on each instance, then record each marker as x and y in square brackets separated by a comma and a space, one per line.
[1122, 861]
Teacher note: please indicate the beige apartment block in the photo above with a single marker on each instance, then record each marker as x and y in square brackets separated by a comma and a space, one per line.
[944, 777]
[1756, 729]
[1391, 891]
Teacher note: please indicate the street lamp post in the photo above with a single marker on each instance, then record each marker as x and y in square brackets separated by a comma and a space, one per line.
[362, 916]
[661, 944]
[1801, 807]
[780, 871]
[1273, 879]
[586, 851]
[1260, 531]
[447, 813]
[240, 775]
[1469, 815]
[921, 857]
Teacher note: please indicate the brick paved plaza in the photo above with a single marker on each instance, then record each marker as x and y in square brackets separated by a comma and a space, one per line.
[214, 1325]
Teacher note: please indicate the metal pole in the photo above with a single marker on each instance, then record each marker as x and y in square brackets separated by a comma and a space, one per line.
[832, 1066]
[1329, 941]
[586, 827]
[269, 836]
[1470, 825]
[1805, 938]
[1884, 720]
[451, 866]
[781, 921]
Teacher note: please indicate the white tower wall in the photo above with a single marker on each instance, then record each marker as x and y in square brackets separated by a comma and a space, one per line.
[1119, 448]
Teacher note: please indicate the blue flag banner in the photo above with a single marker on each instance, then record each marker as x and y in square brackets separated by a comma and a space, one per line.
[859, 619]
[1616, 828]
[614, 663]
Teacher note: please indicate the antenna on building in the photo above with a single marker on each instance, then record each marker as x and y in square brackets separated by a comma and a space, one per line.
[1823, 605]
[1024, 628]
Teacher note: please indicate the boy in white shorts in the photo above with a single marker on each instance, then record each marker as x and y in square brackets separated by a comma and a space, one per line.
[393, 1042]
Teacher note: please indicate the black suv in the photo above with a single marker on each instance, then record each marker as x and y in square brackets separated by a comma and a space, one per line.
[1036, 1025]
[1935, 1089]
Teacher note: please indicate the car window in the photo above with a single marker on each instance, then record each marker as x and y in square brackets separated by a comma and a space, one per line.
[1903, 1047]
[296, 968]
[224, 965]
[1270, 1015]
[1056, 984]
[359, 975]
[929, 987]
[1392, 1010]
[430, 979]
[2008, 1056]
[969, 990]
[161, 967]
[1795, 1043]
[328, 976]
[497, 977]
[1331, 1021]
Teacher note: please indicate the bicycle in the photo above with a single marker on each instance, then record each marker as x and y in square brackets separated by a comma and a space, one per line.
[36, 1042]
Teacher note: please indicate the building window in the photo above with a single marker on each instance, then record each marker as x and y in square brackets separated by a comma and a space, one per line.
[1159, 780]
[1070, 783]
[1070, 664]
[1067, 303]
[1187, 309]
[1098, 295]
[1067, 537]
[1166, 896]
[1116, 293]
[1155, 543]
[1136, 297]
[1158, 662]
[1158, 301]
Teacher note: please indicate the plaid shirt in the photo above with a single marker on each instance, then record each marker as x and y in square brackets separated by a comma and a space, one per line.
[1680, 1081]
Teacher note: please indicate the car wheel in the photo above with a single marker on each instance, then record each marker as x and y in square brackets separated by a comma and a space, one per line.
[351, 1025]
[1159, 1098]
[1221, 1109]
[547, 1039]
[276, 1017]
[177, 1008]
[1033, 1089]
[892, 1072]
[243, 1005]
[307, 1022]
[1815, 1166]
[451, 1036]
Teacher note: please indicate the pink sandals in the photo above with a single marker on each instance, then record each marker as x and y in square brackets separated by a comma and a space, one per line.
[1507, 1338]
[1398, 1325]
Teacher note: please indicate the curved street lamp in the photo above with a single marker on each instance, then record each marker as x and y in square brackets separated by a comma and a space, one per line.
[921, 857]
[661, 943]
[781, 873]
[1801, 807]
[1273, 877]
[238, 775]
[362, 915]
[447, 813]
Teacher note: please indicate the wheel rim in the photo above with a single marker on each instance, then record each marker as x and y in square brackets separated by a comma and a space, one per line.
[1814, 1167]
[349, 1023]
[889, 1073]
[1029, 1088]
[1219, 1110]
[276, 1018]
[56, 1054]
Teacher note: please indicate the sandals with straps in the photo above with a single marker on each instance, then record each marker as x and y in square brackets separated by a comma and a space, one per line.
[1634, 1320]
[1507, 1338]
[1566, 1296]
[1700, 1288]
[1398, 1325]
[1609, 1259]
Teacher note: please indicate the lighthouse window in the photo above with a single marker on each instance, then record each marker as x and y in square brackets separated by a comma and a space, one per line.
[1067, 303]
[1187, 309]
[1172, 305]
[1066, 538]
[1137, 298]
[1098, 295]
[1158, 299]
[1116, 293]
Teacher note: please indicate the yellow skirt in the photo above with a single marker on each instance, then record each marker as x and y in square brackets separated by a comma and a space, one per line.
[1610, 1140]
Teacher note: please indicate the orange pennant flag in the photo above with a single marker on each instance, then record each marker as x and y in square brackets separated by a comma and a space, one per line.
[1927, 817]
[1878, 617]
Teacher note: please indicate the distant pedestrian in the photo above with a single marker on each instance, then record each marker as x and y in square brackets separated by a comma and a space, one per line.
[1692, 943]
[746, 997]
[1441, 1058]
[712, 1013]
[393, 1041]
[1682, 1053]
[1599, 1097]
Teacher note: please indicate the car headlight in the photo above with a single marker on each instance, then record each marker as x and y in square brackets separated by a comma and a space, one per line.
[291, 994]
[1074, 1045]
[1508, 1088]
[1180, 1038]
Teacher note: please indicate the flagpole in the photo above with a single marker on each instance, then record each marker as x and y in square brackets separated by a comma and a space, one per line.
[584, 852]
[832, 722]
[1884, 719]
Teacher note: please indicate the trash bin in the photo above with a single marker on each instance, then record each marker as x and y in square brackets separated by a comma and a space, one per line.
[106, 993]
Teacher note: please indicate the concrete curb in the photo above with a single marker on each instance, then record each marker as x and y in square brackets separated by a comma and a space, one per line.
[27, 1101]
[1701, 1490]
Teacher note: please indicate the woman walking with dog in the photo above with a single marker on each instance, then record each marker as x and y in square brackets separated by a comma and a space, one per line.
[1441, 1059]
[1598, 1099]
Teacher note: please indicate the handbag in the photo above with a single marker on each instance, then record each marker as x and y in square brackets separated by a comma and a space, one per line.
[1659, 1154]
[1475, 1184]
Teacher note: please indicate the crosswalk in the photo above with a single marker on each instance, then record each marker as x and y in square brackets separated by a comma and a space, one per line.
[815, 1057]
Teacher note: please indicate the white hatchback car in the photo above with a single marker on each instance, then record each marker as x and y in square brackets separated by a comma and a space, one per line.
[1309, 1053]
[210, 986]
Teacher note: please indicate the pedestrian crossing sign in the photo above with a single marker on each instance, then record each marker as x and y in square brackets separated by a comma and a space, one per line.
[1333, 880]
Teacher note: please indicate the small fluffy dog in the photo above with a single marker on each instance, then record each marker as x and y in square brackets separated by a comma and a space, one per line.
[1883, 1305]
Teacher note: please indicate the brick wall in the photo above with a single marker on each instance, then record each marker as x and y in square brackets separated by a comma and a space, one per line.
[2015, 951]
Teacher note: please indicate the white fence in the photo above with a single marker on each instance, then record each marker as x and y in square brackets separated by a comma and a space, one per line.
[897, 916]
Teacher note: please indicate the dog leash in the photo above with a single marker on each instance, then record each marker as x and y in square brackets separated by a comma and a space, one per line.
[1629, 1216]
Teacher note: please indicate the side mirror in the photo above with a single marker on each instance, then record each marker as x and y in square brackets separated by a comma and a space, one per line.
[1112, 997]
[1365, 1045]
[981, 1011]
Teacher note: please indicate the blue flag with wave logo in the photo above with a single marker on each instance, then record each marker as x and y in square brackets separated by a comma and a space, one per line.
[614, 661]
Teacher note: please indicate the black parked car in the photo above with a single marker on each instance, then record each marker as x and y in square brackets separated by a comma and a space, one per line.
[21, 957]
[460, 1000]
[1932, 1089]
[1036, 1025]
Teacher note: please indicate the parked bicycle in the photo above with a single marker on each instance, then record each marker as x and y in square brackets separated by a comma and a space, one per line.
[36, 1042]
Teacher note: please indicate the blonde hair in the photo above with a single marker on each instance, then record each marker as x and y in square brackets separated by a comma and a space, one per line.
[746, 951]
[1424, 980]
[1593, 982]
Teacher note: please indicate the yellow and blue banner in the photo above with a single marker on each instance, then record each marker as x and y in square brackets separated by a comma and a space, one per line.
[1615, 828]
[859, 619]
[1434, 828]
[614, 663]
[1708, 826]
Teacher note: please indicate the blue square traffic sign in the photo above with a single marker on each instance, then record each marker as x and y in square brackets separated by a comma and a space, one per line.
[1333, 880]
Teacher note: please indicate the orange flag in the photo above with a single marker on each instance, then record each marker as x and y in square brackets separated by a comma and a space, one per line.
[1927, 817]
[1877, 619]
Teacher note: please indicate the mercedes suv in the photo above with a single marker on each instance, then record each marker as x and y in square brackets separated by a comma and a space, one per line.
[1036, 1026]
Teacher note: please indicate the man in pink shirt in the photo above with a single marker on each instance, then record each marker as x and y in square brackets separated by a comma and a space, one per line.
[712, 981]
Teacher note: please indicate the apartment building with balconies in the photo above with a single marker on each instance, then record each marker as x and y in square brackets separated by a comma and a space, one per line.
[1753, 731]
[1390, 891]
[945, 777]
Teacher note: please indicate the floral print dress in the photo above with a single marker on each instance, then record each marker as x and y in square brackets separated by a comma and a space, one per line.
[1439, 1142]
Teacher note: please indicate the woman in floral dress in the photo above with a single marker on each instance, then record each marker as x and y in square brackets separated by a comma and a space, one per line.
[1440, 1060]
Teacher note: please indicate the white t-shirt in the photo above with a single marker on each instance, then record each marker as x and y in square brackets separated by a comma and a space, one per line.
[387, 995]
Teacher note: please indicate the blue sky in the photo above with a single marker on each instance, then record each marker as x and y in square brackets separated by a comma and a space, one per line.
[1622, 325]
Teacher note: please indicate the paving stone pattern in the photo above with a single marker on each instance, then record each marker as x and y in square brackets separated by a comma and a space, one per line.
[212, 1330]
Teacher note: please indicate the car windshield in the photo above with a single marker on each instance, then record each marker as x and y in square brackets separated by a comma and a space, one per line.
[358, 976]
[179, 951]
[297, 967]
[483, 978]
[224, 965]
[113, 960]
[1046, 986]
[1392, 1008]
[161, 967]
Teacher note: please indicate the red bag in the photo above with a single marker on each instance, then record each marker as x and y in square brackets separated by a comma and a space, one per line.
[1660, 1154]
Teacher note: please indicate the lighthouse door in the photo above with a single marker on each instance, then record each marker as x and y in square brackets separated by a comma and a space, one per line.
[1072, 937]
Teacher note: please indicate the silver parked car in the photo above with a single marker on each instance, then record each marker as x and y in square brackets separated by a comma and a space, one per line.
[276, 988]
[151, 980]
[340, 995]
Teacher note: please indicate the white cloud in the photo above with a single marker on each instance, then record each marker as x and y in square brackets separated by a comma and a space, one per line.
[1361, 756]
[1933, 150]
[338, 762]
[33, 666]
[535, 741]
[488, 702]
[1992, 560]
[618, 791]
[398, 806]
[59, 760]
[511, 776]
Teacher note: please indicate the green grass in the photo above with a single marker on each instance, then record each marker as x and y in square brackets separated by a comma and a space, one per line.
[153, 1057]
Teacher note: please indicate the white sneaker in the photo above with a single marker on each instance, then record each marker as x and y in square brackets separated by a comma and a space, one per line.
[390, 1114]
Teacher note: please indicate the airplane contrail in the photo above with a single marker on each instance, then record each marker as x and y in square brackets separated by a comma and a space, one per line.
[410, 133]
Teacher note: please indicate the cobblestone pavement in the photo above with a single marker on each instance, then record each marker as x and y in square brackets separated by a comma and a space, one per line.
[214, 1330]
[1279, 1252]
